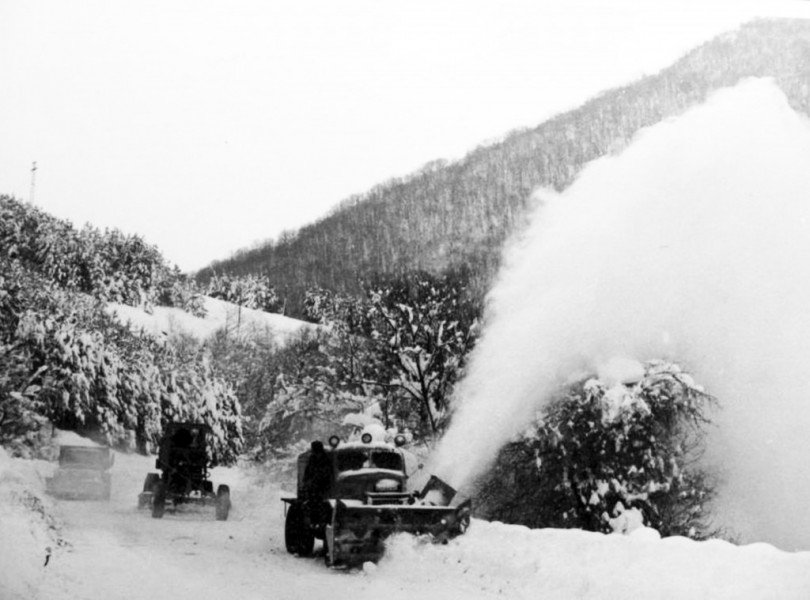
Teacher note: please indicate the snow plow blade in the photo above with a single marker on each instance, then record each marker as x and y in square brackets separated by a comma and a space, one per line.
[358, 530]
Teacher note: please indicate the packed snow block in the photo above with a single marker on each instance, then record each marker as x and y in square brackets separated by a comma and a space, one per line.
[83, 473]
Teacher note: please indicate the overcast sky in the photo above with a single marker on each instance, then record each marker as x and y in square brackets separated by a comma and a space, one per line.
[207, 126]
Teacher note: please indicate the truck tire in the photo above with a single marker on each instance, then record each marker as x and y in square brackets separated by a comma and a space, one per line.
[223, 502]
[330, 554]
[297, 538]
[159, 500]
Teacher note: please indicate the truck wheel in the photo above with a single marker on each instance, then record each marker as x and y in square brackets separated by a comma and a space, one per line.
[297, 538]
[223, 502]
[330, 554]
[159, 500]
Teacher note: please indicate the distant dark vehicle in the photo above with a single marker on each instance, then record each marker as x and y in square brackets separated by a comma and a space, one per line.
[83, 473]
[353, 495]
[184, 461]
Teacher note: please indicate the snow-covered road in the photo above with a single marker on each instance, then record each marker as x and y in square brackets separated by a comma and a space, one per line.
[117, 552]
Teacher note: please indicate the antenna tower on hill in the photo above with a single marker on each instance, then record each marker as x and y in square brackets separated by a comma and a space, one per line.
[33, 182]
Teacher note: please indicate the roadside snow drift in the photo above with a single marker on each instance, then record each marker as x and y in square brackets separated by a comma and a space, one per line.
[691, 245]
[511, 561]
[28, 529]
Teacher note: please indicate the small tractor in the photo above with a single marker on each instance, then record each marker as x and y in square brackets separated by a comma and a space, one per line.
[83, 473]
[364, 502]
[184, 461]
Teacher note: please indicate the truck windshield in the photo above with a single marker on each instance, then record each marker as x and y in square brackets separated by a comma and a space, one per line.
[353, 460]
[387, 460]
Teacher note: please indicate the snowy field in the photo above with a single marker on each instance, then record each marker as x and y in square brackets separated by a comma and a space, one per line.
[114, 551]
[167, 321]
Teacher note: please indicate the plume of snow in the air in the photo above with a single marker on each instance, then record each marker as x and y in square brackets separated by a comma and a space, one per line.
[693, 245]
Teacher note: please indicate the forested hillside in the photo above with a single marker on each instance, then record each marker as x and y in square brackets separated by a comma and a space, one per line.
[448, 215]
[65, 361]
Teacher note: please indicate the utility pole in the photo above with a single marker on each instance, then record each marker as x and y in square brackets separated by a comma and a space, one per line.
[33, 182]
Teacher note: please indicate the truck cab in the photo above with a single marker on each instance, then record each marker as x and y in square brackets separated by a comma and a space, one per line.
[358, 469]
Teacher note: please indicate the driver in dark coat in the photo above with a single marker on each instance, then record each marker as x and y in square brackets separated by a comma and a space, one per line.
[318, 473]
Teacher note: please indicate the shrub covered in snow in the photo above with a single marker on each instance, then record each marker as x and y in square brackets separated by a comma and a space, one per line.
[602, 448]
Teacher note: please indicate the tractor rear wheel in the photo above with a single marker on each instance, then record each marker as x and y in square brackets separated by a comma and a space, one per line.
[150, 481]
[297, 538]
[223, 502]
[159, 500]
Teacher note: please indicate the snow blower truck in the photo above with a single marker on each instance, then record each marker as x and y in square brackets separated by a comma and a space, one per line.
[362, 500]
[184, 462]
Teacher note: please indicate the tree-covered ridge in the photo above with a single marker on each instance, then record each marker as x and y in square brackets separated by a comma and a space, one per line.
[108, 265]
[455, 214]
[65, 359]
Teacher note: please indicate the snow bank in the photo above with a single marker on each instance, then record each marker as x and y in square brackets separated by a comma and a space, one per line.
[219, 314]
[28, 529]
[512, 561]
[691, 245]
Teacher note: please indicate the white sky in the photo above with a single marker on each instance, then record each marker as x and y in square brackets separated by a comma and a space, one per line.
[206, 126]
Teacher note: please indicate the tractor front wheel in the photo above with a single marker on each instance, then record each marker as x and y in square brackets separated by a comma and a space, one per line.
[159, 500]
[223, 502]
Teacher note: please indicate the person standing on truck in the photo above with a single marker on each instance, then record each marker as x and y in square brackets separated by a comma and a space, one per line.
[318, 473]
[317, 482]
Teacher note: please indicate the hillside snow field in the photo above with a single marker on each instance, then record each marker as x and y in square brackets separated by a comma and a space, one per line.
[72, 550]
[167, 321]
